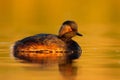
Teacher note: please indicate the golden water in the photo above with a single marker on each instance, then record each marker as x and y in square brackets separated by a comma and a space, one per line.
[98, 21]
[99, 61]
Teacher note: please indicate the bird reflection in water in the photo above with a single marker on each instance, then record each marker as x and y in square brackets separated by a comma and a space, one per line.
[68, 71]
[66, 65]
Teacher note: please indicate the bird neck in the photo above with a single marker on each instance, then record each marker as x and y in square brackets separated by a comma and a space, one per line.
[67, 36]
[65, 39]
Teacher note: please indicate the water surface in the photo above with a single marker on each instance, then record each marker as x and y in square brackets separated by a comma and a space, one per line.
[98, 21]
[99, 61]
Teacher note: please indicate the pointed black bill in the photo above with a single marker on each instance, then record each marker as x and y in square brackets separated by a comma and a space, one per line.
[79, 34]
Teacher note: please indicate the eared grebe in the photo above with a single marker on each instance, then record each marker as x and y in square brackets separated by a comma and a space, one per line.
[39, 46]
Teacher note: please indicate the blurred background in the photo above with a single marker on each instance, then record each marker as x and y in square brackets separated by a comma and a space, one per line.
[98, 20]
[20, 18]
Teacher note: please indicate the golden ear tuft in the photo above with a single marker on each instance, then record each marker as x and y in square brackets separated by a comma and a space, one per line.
[64, 29]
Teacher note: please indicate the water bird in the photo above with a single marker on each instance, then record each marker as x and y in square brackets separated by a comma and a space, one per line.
[42, 47]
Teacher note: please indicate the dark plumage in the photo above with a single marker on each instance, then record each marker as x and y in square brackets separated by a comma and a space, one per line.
[37, 47]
